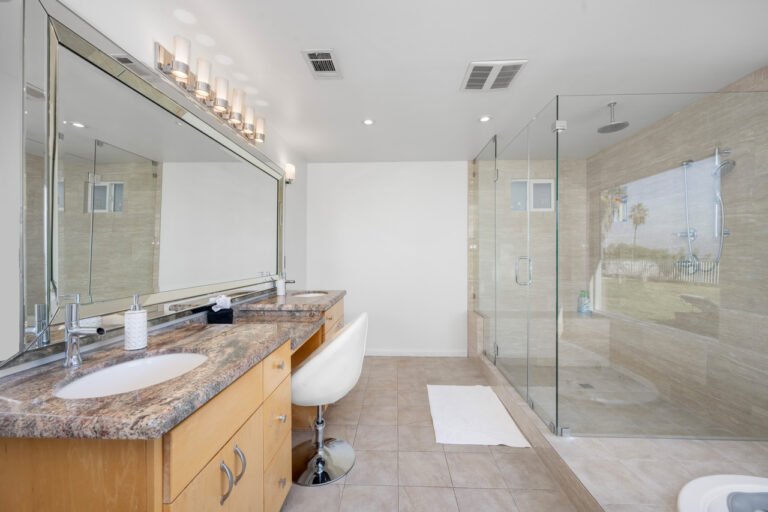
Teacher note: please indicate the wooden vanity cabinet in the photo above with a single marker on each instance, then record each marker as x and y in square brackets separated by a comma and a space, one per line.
[252, 414]
[180, 472]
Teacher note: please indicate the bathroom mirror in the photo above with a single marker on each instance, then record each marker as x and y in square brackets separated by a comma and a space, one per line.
[131, 189]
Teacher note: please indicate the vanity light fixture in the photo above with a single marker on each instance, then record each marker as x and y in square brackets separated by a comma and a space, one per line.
[248, 121]
[211, 93]
[290, 173]
[220, 100]
[259, 134]
[238, 102]
[203, 83]
[368, 122]
[180, 65]
[485, 119]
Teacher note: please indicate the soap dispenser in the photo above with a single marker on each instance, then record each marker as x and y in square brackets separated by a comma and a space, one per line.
[135, 326]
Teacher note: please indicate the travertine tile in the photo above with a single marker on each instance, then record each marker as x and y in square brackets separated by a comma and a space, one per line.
[376, 437]
[417, 439]
[374, 468]
[306, 499]
[486, 500]
[523, 470]
[423, 469]
[378, 415]
[538, 501]
[427, 499]
[368, 499]
[416, 415]
[474, 470]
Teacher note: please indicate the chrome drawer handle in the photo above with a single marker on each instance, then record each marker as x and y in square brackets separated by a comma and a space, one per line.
[282, 482]
[228, 471]
[281, 365]
[240, 454]
[283, 418]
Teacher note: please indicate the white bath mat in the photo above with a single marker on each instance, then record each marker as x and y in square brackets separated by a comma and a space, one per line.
[472, 415]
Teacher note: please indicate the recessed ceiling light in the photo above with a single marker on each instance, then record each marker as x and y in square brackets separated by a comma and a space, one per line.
[78, 125]
[485, 119]
[185, 16]
[368, 122]
[205, 40]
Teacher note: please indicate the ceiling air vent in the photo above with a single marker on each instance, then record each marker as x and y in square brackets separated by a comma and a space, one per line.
[491, 75]
[130, 63]
[323, 63]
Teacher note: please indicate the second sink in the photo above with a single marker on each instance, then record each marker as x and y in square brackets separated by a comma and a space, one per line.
[131, 375]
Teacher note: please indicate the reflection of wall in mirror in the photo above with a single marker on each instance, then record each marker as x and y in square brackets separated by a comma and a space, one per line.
[219, 224]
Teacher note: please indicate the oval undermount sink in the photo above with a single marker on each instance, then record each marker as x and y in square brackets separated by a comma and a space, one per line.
[306, 295]
[131, 375]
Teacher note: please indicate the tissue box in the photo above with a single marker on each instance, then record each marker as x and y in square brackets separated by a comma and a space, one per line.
[222, 316]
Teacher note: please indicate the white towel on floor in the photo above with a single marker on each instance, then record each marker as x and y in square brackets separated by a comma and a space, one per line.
[472, 415]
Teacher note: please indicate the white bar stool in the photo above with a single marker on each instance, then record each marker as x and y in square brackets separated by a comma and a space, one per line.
[324, 378]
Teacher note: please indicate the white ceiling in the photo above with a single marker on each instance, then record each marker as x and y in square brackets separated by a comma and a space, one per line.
[403, 60]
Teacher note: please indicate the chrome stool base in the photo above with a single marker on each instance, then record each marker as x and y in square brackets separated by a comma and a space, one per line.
[313, 468]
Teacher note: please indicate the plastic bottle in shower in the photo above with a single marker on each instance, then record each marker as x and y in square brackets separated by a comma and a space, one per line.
[584, 306]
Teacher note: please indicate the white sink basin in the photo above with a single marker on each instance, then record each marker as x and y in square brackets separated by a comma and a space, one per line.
[306, 295]
[131, 375]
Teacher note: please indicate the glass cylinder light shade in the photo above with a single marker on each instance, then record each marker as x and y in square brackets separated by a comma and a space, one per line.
[259, 134]
[180, 65]
[248, 121]
[290, 173]
[220, 103]
[238, 103]
[203, 84]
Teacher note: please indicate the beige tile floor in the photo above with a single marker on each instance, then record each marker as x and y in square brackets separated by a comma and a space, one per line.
[399, 467]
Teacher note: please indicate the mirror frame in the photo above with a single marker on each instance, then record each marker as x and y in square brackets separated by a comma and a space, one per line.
[95, 48]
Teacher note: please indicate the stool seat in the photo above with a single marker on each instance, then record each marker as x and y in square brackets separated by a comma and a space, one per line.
[326, 377]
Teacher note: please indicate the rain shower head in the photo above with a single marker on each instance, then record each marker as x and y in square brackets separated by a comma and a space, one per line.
[613, 126]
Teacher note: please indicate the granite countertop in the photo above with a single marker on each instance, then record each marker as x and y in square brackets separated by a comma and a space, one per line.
[28, 407]
[291, 303]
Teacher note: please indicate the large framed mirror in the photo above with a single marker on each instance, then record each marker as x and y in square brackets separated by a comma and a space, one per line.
[131, 188]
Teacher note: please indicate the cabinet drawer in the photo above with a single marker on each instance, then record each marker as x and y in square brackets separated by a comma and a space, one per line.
[331, 331]
[194, 442]
[277, 478]
[277, 366]
[204, 492]
[277, 419]
[334, 314]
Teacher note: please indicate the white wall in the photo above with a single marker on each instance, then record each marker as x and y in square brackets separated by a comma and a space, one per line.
[394, 236]
[10, 172]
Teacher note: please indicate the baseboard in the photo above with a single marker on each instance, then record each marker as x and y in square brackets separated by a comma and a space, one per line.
[416, 353]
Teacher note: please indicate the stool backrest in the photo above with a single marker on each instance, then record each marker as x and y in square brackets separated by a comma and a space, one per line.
[334, 368]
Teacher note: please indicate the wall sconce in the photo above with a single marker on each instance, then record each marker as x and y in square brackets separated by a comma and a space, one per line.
[259, 134]
[290, 173]
[214, 95]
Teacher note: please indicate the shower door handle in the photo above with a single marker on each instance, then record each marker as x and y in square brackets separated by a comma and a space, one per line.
[517, 271]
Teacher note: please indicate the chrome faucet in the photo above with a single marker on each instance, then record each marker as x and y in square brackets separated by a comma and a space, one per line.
[72, 333]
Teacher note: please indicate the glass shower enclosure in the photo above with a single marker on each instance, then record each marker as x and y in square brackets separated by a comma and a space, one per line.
[619, 271]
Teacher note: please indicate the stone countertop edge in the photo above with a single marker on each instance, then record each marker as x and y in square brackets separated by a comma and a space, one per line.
[29, 409]
[289, 302]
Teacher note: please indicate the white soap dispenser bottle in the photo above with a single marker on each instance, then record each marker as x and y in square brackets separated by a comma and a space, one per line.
[135, 326]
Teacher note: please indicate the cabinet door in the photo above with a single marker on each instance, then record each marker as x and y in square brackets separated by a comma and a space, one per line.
[204, 492]
[277, 478]
[277, 419]
[248, 494]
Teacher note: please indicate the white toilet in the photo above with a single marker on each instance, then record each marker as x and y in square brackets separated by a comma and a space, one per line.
[710, 493]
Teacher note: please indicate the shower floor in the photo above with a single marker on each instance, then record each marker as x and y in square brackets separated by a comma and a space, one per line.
[602, 401]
